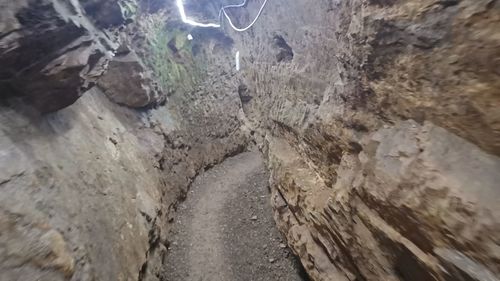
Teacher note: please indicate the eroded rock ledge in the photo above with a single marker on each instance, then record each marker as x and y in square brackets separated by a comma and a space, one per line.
[381, 133]
[88, 190]
[52, 51]
[379, 121]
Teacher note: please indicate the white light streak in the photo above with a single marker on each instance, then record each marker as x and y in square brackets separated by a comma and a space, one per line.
[180, 5]
[231, 6]
[251, 24]
[237, 58]
[222, 11]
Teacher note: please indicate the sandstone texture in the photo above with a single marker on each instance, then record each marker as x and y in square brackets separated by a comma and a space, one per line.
[88, 191]
[52, 51]
[380, 122]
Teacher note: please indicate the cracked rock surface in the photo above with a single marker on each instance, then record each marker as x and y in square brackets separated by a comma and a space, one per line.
[381, 133]
[52, 51]
[378, 121]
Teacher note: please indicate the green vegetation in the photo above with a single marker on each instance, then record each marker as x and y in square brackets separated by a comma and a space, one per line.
[171, 58]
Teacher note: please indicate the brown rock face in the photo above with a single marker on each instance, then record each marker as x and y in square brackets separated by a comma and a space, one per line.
[128, 82]
[87, 192]
[380, 122]
[52, 51]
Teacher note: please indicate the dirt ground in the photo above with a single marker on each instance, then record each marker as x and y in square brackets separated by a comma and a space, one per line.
[225, 231]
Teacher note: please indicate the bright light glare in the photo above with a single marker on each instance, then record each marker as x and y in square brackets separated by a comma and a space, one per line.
[222, 11]
[241, 5]
[237, 58]
[184, 18]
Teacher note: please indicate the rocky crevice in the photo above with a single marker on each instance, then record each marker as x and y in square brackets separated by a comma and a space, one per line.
[378, 121]
[102, 177]
[373, 133]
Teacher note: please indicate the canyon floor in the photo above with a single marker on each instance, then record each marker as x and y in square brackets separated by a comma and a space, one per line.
[225, 229]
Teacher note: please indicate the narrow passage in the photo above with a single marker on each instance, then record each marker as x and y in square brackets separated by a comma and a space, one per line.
[225, 230]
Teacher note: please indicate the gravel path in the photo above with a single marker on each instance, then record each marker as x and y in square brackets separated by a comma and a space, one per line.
[225, 230]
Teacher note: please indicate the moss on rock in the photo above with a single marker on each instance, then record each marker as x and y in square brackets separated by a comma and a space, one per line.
[170, 56]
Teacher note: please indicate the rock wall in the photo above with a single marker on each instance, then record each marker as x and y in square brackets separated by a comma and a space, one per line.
[380, 122]
[88, 190]
[52, 51]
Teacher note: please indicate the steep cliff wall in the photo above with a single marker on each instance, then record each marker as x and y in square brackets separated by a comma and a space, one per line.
[380, 121]
[88, 190]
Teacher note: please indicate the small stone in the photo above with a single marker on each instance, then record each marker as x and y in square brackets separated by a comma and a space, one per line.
[272, 260]
[282, 245]
[254, 218]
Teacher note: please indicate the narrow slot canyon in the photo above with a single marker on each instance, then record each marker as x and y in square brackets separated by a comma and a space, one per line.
[225, 229]
[252, 140]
